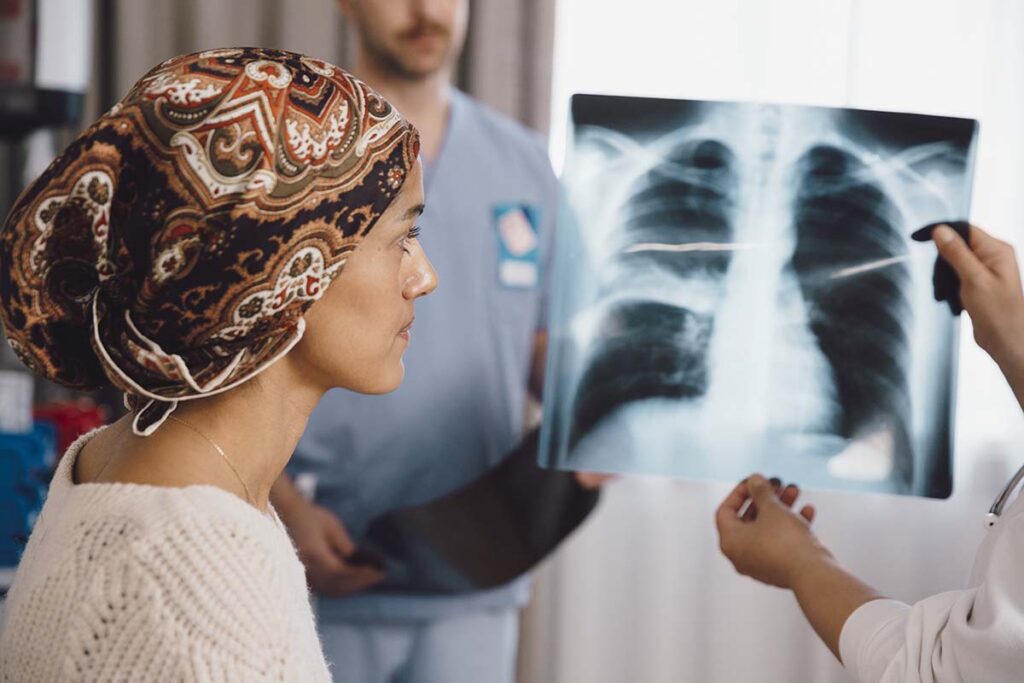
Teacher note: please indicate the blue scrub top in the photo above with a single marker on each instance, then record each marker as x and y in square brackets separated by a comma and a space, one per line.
[491, 203]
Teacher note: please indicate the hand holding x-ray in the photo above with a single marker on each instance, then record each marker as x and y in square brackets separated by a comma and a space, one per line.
[989, 285]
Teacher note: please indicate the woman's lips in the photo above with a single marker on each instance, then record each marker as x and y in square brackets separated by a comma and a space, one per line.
[404, 332]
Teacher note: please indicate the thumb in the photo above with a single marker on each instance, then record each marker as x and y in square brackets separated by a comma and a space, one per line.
[761, 490]
[338, 538]
[958, 255]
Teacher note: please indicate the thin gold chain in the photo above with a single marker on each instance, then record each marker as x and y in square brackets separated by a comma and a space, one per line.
[248, 495]
[110, 458]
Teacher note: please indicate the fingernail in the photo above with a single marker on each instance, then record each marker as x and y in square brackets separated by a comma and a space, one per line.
[776, 482]
[922, 234]
[943, 234]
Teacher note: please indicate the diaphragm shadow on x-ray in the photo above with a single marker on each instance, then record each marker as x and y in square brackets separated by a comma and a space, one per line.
[735, 290]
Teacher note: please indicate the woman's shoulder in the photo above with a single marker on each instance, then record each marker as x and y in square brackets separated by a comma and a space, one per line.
[188, 573]
[163, 529]
[198, 522]
[195, 568]
[150, 510]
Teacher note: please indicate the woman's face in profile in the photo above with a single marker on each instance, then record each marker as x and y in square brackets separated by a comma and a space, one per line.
[357, 333]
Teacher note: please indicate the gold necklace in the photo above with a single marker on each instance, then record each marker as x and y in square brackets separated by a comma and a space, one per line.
[248, 495]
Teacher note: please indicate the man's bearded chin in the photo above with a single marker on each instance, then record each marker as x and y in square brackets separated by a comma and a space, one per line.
[395, 61]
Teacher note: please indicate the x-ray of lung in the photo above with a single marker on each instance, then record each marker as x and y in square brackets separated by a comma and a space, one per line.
[736, 291]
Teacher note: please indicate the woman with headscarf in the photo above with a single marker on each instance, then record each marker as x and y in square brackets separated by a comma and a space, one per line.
[181, 249]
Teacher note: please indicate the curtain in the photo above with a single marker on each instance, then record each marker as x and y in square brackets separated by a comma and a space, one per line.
[133, 37]
[507, 61]
[641, 593]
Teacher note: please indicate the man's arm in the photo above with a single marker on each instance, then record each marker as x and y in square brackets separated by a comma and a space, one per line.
[538, 364]
[285, 496]
[322, 542]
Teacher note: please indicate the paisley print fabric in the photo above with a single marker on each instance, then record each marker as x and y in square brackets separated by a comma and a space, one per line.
[173, 248]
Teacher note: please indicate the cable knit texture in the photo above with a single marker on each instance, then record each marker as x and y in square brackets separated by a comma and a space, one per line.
[126, 582]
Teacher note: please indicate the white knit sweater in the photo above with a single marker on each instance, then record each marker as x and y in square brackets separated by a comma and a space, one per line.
[125, 582]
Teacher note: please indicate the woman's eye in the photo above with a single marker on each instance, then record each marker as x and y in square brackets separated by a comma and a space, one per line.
[411, 235]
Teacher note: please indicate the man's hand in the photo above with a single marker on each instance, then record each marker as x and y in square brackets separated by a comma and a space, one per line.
[325, 547]
[592, 481]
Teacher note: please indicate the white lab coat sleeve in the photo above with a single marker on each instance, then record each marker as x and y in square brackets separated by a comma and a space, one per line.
[966, 636]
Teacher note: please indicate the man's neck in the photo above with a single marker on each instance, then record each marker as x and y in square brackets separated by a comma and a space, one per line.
[424, 102]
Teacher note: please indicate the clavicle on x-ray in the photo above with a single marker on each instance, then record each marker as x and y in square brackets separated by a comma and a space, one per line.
[736, 291]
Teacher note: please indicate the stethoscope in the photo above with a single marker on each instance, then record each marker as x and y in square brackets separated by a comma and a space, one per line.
[1004, 496]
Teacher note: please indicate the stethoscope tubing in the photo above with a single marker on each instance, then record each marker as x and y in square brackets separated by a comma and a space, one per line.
[999, 504]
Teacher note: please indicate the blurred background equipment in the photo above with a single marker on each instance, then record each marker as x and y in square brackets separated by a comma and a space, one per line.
[45, 49]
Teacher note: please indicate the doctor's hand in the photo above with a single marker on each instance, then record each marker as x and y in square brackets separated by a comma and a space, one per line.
[327, 550]
[762, 536]
[990, 290]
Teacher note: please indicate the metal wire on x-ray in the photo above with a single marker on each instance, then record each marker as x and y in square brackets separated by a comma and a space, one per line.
[691, 194]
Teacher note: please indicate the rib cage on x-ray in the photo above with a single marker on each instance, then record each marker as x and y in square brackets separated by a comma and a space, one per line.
[840, 218]
[735, 290]
[691, 194]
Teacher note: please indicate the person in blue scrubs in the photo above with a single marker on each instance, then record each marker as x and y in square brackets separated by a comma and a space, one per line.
[476, 352]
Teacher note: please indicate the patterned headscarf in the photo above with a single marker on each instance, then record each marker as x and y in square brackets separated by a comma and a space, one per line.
[173, 248]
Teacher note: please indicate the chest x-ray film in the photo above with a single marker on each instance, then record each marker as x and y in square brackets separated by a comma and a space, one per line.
[736, 290]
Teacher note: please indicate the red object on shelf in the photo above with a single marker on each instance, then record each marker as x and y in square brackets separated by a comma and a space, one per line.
[71, 420]
[10, 9]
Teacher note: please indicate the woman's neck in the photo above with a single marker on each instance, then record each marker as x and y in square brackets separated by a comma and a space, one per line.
[256, 425]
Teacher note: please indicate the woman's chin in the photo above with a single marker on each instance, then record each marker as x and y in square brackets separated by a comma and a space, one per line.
[383, 382]
[396, 381]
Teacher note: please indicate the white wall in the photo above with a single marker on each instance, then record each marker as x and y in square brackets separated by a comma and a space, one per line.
[65, 41]
[641, 594]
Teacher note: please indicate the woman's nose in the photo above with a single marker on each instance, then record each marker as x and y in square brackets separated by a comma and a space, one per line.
[422, 280]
